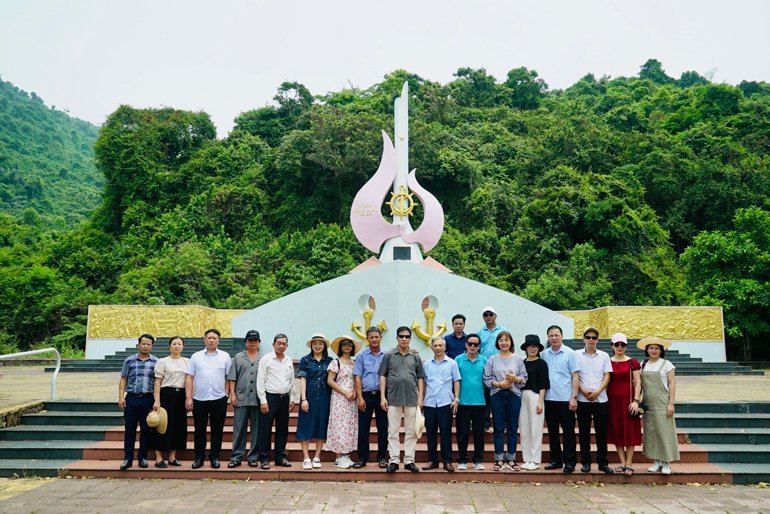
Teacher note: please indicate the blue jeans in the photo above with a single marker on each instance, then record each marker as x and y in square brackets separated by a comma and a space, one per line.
[505, 416]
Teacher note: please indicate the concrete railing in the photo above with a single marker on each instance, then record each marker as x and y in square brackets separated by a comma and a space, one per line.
[35, 352]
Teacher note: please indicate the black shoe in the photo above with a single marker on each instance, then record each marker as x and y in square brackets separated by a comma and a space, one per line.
[392, 467]
[174, 463]
[160, 464]
[411, 467]
[142, 463]
[569, 469]
[198, 463]
[552, 465]
[126, 464]
[232, 464]
[215, 463]
[606, 469]
[586, 468]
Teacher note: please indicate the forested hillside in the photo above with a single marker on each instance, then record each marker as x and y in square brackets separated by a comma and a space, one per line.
[46, 161]
[646, 190]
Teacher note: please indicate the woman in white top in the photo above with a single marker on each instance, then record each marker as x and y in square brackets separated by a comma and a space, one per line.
[169, 394]
[659, 440]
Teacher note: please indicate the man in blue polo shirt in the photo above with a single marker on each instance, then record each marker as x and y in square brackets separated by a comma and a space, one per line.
[442, 391]
[367, 384]
[455, 342]
[472, 403]
[135, 398]
[561, 400]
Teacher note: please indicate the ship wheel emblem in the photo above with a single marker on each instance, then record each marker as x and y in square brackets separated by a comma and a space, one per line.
[401, 203]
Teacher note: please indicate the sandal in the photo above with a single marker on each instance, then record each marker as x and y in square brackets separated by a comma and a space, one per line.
[283, 463]
[253, 464]
[498, 466]
[513, 466]
[629, 471]
[265, 465]
[620, 469]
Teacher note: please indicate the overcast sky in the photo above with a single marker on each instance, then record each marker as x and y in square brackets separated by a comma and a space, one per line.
[225, 57]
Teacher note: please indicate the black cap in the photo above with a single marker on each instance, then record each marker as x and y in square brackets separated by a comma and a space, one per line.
[252, 334]
[532, 339]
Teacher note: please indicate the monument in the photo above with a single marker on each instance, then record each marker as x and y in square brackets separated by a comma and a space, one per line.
[401, 287]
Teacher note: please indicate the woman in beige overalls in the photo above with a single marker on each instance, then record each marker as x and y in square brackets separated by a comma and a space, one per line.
[658, 391]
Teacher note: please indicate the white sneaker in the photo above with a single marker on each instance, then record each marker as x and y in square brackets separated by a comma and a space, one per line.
[462, 467]
[478, 466]
[526, 465]
[307, 464]
[657, 466]
[343, 462]
[316, 463]
[666, 469]
[533, 466]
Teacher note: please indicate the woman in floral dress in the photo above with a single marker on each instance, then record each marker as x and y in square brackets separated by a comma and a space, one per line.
[342, 436]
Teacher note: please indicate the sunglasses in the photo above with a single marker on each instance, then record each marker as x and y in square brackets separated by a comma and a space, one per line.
[473, 344]
[622, 345]
[404, 336]
[591, 338]
[346, 343]
[488, 314]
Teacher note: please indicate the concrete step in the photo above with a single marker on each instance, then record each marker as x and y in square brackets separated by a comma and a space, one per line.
[719, 420]
[70, 418]
[748, 473]
[55, 432]
[682, 474]
[728, 436]
[739, 453]
[21, 468]
[55, 450]
[723, 407]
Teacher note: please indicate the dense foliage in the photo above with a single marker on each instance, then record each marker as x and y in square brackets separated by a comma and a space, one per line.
[574, 199]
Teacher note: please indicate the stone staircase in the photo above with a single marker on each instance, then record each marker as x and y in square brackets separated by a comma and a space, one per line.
[719, 442]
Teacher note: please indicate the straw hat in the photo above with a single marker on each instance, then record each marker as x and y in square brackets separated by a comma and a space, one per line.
[419, 423]
[335, 346]
[317, 337]
[158, 420]
[644, 343]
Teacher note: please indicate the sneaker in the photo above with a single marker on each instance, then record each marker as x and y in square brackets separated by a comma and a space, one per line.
[478, 466]
[316, 463]
[534, 466]
[307, 464]
[343, 462]
[666, 470]
[526, 465]
[657, 466]
[462, 466]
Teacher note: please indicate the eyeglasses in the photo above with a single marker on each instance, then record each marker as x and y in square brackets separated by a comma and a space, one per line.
[404, 336]
[622, 345]
[591, 338]
[488, 314]
[473, 344]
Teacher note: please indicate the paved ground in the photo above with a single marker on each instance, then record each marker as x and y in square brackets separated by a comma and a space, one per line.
[24, 384]
[212, 497]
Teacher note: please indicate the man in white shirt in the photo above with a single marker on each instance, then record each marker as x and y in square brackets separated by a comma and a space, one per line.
[594, 376]
[207, 390]
[276, 391]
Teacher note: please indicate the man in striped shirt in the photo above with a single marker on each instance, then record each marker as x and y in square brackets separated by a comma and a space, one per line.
[135, 398]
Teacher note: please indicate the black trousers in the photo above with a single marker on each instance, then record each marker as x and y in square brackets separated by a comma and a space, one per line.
[439, 419]
[278, 411]
[556, 414]
[215, 412]
[466, 414]
[373, 407]
[137, 409]
[600, 413]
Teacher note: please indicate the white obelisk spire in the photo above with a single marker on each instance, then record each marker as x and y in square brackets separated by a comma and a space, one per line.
[396, 248]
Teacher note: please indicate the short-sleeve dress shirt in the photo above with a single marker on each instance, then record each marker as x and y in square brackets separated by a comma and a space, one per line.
[275, 377]
[439, 382]
[140, 374]
[561, 365]
[366, 366]
[471, 383]
[210, 372]
[402, 373]
[455, 346]
[244, 373]
[592, 370]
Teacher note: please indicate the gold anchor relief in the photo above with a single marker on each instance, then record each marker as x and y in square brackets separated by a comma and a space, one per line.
[368, 314]
[426, 336]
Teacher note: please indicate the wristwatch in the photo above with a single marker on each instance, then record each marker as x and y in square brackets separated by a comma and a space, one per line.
[574, 397]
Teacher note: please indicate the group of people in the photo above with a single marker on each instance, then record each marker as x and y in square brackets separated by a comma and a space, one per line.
[475, 379]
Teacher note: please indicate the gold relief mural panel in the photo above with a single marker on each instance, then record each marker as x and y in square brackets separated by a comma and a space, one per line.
[129, 321]
[677, 323]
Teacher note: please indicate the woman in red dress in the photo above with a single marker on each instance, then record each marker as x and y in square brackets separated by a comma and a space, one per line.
[624, 430]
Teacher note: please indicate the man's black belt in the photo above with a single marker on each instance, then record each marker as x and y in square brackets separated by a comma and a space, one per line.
[140, 395]
[277, 395]
[372, 392]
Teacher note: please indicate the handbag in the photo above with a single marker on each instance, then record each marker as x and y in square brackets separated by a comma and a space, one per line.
[641, 406]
